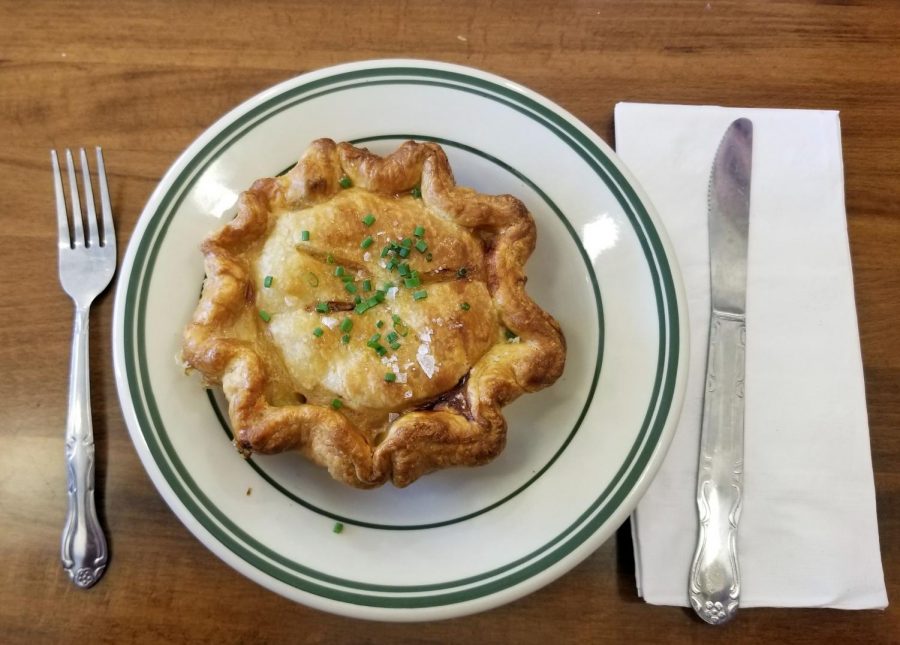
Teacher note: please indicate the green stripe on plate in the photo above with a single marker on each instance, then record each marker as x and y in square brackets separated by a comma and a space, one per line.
[349, 591]
[221, 416]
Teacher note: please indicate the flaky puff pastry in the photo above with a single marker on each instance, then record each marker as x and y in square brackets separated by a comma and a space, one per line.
[411, 384]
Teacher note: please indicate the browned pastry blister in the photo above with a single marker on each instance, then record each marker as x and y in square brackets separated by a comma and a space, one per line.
[295, 379]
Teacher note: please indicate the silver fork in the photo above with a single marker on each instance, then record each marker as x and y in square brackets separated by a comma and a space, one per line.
[87, 261]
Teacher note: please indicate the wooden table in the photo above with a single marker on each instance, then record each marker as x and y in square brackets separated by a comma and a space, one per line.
[145, 78]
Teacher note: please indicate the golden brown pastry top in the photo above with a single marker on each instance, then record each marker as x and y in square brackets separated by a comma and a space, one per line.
[371, 314]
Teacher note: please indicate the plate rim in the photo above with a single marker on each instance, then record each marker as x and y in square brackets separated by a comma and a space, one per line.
[491, 599]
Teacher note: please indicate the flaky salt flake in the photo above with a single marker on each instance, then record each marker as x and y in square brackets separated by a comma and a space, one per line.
[401, 377]
[407, 394]
[426, 362]
[329, 322]
[392, 293]
[367, 256]
[393, 416]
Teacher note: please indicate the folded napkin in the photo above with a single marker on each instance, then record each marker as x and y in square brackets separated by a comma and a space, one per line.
[808, 535]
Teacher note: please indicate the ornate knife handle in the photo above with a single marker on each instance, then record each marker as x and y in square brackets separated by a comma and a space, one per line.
[715, 580]
[84, 550]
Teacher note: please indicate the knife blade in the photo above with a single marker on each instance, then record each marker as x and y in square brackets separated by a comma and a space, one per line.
[715, 582]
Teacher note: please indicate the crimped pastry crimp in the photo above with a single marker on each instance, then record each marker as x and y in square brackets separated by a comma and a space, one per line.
[371, 314]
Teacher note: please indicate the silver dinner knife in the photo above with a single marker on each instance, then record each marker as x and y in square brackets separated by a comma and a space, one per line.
[715, 581]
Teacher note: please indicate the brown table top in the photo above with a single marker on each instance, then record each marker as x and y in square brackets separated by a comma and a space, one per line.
[144, 79]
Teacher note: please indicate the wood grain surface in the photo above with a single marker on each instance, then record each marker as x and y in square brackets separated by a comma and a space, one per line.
[144, 79]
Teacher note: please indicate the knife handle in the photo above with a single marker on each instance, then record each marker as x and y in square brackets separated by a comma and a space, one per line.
[715, 581]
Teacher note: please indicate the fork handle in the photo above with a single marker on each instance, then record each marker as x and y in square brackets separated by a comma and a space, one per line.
[84, 551]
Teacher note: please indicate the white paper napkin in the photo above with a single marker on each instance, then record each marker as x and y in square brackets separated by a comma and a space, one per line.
[808, 536]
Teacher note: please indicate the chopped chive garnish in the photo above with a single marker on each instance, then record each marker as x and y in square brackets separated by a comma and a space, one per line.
[406, 243]
[395, 345]
[345, 182]
[345, 338]
[404, 270]
[464, 306]
[317, 332]
[462, 272]
[404, 252]
[373, 340]
[388, 285]
[420, 295]
[392, 336]
[368, 220]
[390, 377]
[346, 324]
[265, 315]
[509, 334]
[349, 286]
[366, 243]
[312, 279]
[361, 307]
[391, 264]
[339, 271]
[267, 282]
[357, 300]
[385, 250]
[416, 192]
[420, 231]
[367, 285]
[329, 258]
[379, 324]
[338, 527]
[337, 404]
[429, 257]
[422, 246]
[379, 296]
[322, 307]
[412, 282]
[380, 350]
[304, 236]
[402, 329]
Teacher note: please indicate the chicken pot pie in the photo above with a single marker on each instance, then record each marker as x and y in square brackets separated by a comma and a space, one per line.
[371, 314]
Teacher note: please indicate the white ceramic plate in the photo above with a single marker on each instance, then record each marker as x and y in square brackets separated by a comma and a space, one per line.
[579, 454]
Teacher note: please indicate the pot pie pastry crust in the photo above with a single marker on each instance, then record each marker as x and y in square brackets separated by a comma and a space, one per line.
[416, 380]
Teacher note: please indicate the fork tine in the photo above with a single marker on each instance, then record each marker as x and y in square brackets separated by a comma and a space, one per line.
[62, 220]
[93, 236]
[109, 231]
[75, 202]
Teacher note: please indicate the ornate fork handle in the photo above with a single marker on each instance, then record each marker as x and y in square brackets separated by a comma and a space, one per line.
[715, 581]
[84, 551]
